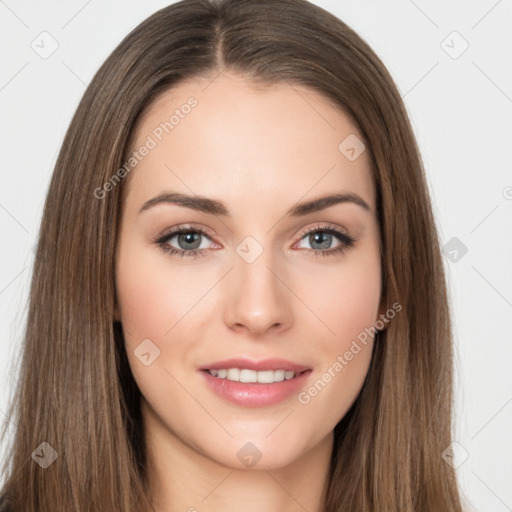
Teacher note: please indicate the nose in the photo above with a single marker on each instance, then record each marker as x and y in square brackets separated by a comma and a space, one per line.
[257, 298]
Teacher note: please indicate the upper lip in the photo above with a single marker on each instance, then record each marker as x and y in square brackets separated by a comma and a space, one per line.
[261, 365]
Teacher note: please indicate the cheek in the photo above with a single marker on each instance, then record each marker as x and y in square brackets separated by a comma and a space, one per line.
[355, 306]
[156, 302]
[153, 297]
[343, 301]
[347, 302]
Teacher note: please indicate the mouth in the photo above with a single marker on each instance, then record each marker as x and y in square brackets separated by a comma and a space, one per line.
[255, 383]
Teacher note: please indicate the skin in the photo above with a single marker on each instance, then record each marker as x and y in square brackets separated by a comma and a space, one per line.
[259, 151]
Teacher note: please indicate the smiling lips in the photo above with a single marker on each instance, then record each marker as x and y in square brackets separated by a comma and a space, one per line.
[255, 383]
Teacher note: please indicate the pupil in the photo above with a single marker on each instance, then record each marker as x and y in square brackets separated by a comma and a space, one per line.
[318, 237]
[190, 238]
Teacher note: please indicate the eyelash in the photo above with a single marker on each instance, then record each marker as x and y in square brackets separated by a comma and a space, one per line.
[346, 241]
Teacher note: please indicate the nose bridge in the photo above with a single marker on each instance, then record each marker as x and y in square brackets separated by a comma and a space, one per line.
[256, 297]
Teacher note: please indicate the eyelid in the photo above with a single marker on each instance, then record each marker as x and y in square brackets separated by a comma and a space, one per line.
[346, 241]
[183, 228]
[325, 226]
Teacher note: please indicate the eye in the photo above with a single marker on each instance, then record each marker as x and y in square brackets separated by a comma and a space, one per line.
[321, 238]
[190, 244]
[187, 239]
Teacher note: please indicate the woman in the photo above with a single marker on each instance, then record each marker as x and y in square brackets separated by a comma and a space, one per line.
[246, 370]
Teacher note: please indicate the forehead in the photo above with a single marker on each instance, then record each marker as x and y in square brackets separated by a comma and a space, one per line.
[250, 146]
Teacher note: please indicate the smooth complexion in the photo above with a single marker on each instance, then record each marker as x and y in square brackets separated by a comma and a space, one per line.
[260, 152]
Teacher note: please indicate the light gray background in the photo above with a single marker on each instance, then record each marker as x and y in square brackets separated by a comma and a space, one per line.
[460, 106]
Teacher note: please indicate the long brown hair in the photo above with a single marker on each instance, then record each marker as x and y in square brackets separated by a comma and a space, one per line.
[75, 390]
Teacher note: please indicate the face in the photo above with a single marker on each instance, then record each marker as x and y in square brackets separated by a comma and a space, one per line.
[263, 278]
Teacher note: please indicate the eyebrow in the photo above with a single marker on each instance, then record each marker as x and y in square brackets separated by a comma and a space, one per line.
[215, 207]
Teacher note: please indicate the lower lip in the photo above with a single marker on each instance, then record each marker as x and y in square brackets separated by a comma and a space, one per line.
[255, 394]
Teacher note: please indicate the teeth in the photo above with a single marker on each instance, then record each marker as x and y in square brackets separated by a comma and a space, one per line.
[233, 374]
[244, 375]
